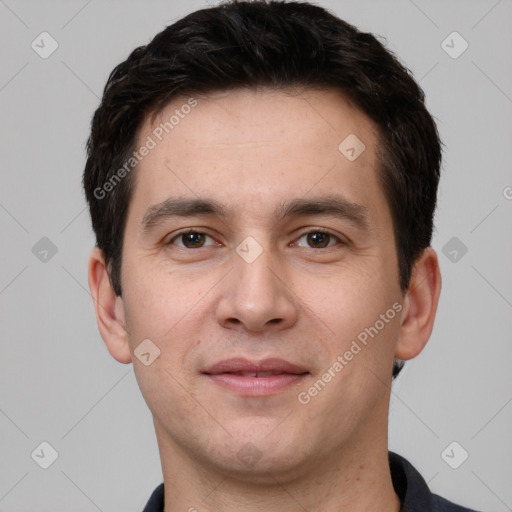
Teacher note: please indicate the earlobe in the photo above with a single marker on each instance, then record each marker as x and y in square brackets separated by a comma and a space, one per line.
[420, 306]
[109, 309]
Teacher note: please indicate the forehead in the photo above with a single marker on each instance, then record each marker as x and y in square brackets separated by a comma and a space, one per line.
[254, 149]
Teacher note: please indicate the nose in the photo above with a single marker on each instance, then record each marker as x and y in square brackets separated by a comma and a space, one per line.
[257, 296]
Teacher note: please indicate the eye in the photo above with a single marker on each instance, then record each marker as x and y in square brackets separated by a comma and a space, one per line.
[317, 240]
[192, 240]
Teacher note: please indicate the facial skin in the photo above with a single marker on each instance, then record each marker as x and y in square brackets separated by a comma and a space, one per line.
[255, 153]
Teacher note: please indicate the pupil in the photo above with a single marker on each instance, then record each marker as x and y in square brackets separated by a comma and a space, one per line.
[318, 239]
[193, 239]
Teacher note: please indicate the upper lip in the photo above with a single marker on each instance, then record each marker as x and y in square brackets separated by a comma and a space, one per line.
[235, 365]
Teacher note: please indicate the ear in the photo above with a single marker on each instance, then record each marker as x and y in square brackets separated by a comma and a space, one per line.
[420, 306]
[109, 309]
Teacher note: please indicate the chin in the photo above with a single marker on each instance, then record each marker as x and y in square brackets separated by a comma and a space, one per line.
[259, 460]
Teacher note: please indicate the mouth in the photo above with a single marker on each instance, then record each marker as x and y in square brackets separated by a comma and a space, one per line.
[255, 378]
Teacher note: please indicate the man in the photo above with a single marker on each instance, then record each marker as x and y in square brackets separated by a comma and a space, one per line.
[262, 180]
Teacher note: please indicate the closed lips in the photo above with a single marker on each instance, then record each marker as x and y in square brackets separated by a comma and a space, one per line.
[256, 374]
[247, 368]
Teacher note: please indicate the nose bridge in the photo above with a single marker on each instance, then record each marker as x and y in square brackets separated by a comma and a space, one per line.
[256, 283]
[254, 274]
[256, 295]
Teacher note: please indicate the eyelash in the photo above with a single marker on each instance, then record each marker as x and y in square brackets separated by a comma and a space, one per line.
[334, 237]
[189, 231]
[312, 231]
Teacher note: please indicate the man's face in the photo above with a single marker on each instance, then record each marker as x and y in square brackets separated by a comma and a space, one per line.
[252, 236]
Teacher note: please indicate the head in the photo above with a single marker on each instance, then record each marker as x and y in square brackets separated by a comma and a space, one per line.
[229, 128]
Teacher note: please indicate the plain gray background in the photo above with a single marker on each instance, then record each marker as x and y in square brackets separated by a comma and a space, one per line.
[59, 384]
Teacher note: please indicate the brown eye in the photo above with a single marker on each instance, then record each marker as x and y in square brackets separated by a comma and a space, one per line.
[317, 240]
[192, 240]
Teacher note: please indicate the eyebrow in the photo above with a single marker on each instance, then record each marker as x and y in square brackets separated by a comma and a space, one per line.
[335, 206]
[180, 207]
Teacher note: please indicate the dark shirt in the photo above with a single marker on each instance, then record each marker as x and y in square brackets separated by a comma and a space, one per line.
[408, 483]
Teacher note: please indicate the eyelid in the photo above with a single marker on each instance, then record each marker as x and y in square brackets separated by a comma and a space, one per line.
[198, 231]
[339, 238]
[201, 231]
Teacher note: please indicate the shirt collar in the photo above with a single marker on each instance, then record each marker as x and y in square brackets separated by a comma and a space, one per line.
[409, 485]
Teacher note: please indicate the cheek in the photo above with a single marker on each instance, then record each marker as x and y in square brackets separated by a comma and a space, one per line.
[173, 311]
[349, 300]
[172, 400]
[157, 299]
[170, 322]
[360, 323]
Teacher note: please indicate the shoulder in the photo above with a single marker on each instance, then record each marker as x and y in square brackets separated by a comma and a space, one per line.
[156, 501]
[413, 491]
[443, 505]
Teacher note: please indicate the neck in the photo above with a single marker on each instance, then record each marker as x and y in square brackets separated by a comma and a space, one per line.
[356, 478]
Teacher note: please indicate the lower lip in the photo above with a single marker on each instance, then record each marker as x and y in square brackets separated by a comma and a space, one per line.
[256, 386]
